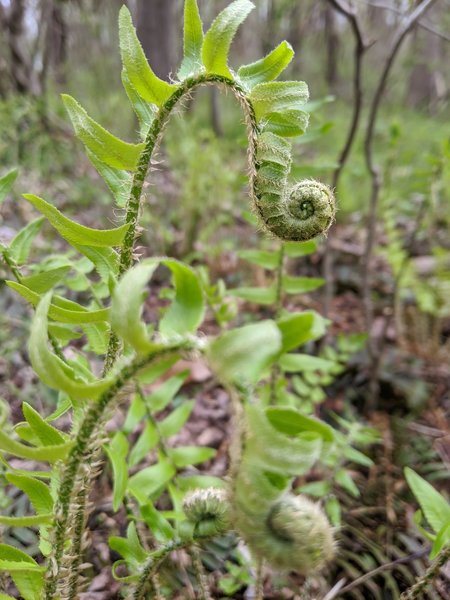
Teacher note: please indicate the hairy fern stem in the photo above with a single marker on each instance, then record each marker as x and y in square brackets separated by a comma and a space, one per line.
[202, 578]
[151, 144]
[151, 566]
[417, 590]
[81, 454]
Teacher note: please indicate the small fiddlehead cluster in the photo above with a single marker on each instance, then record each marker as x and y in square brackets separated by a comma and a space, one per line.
[208, 511]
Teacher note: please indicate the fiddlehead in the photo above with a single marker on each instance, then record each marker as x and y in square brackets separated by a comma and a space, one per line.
[296, 212]
[208, 511]
[289, 532]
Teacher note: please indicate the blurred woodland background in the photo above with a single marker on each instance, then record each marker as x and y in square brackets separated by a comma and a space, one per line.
[378, 73]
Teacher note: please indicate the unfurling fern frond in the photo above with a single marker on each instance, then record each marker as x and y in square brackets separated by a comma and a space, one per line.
[289, 532]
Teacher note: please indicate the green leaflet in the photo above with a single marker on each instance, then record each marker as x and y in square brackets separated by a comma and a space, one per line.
[267, 68]
[27, 575]
[166, 392]
[185, 456]
[156, 522]
[193, 40]
[274, 149]
[289, 123]
[155, 370]
[301, 285]
[292, 422]
[49, 454]
[105, 260]
[296, 363]
[217, 41]
[27, 521]
[145, 112]
[98, 336]
[127, 305]
[46, 433]
[263, 258]
[172, 424]
[106, 147]
[259, 295]
[45, 281]
[21, 244]
[243, 354]
[434, 506]
[270, 447]
[36, 490]
[442, 539]
[74, 232]
[333, 510]
[344, 479]
[117, 451]
[299, 328]
[278, 96]
[75, 315]
[51, 370]
[187, 310]
[146, 442]
[118, 180]
[138, 71]
[149, 480]
[183, 316]
[6, 183]
[296, 249]
[130, 547]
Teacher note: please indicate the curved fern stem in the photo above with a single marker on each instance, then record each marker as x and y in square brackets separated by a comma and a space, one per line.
[151, 143]
[151, 566]
[81, 453]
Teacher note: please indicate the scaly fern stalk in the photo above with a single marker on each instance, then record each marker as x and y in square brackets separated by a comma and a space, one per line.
[152, 564]
[79, 453]
[259, 580]
[200, 573]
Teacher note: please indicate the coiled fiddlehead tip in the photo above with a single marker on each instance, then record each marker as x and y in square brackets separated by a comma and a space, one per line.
[302, 212]
[296, 213]
[296, 537]
[208, 510]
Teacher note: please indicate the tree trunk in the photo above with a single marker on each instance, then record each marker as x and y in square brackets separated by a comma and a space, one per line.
[155, 23]
[425, 83]
[20, 66]
[332, 47]
[57, 41]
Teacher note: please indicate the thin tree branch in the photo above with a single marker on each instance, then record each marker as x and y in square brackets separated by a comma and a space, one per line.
[422, 24]
[360, 47]
[374, 170]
